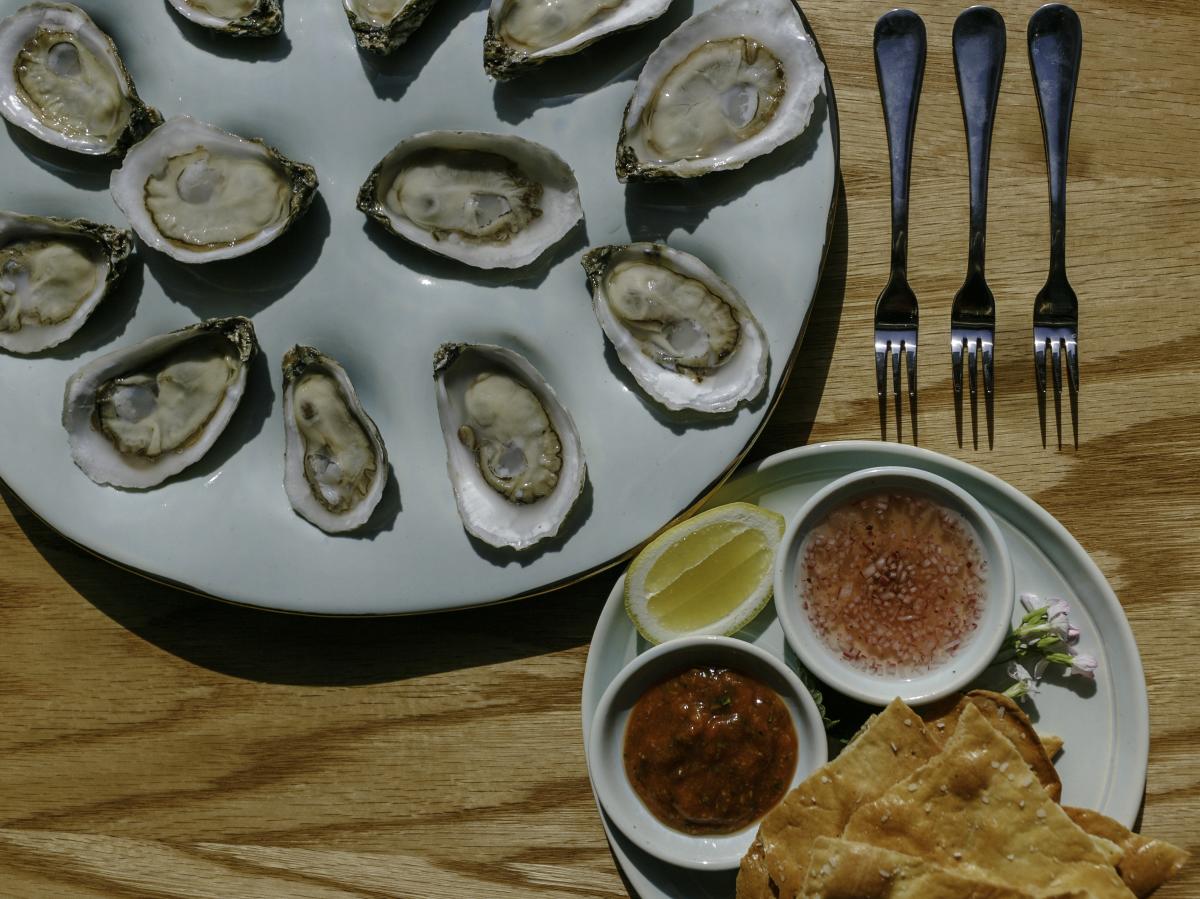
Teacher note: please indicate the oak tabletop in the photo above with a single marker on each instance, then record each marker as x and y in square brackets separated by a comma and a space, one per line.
[155, 743]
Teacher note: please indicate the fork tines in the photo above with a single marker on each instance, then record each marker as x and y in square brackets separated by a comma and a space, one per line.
[898, 342]
[975, 344]
[1059, 341]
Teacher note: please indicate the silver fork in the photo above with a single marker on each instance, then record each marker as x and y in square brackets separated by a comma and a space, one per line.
[978, 66]
[1055, 47]
[900, 67]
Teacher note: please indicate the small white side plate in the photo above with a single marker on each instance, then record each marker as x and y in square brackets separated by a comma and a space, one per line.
[1105, 722]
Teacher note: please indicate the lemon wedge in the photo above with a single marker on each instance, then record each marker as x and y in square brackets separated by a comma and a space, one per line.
[710, 574]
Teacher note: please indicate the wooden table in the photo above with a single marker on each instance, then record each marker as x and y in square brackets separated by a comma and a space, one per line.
[153, 743]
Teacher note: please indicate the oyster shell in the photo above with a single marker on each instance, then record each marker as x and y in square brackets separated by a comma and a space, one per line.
[200, 194]
[512, 450]
[141, 414]
[53, 274]
[522, 34]
[730, 84]
[62, 80]
[489, 200]
[239, 18]
[335, 464]
[383, 25]
[686, 336]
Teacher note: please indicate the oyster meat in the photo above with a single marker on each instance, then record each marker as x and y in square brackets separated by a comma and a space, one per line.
[139, 415]
[522, 34]
[200, 194]
[730, 84]
[239, 18]
[512, 451]
[383, 25]
[53, 274]
[686, 336]
[488, 200]
[62, 80]
[335, 464]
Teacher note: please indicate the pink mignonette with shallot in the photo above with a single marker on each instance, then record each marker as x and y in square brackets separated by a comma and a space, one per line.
[893, 582]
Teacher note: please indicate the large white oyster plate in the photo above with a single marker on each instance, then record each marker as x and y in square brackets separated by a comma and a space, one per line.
[381, 307]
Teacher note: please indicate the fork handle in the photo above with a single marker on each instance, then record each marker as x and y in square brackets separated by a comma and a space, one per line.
[979, 45]
[1055, 48]
[900, 67]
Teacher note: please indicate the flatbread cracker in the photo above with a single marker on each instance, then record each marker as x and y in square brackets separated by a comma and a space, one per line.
[1052, 743]
[1008, 718]
[978, 803]
[1145, 864]
[845, 870]
[753, 880]
[891, 747]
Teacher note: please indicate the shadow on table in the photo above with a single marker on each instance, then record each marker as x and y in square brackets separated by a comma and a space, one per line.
[273, 647]
[792, 421]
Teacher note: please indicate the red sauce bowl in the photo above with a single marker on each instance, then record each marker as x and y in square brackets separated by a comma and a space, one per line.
[606, 763]
[894, 582]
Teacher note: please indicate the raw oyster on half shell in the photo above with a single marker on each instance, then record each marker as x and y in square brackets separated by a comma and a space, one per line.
[53, 275]
[488, 200]
[200, 194]
[141, 414]
[239, 18]
[687, 337]
[512, 450]
[335, 463]
[381, 26]
[62, 80]
[730, 84]
[522, 34]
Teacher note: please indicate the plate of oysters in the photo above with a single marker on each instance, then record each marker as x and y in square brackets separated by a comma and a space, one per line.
[385, 306]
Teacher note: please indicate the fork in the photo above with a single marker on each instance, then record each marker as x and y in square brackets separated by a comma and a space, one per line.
[978, 66]
[1055, 47]
[899, 67]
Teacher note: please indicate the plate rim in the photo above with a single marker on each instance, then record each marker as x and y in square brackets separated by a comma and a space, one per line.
[614, 606]
[704, 495]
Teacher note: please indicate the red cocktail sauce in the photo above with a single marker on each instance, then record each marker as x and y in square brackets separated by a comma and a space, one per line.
[710, 750]
[893, 582]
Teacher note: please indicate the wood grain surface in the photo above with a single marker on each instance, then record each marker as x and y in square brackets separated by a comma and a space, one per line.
[153, 743]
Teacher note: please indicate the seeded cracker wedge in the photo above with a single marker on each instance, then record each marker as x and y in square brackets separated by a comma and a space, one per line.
[977, 803]
[1006, 716]
[1052, 743]
[753, 881]
[893, 746]
[1145, 863]
[844, 870]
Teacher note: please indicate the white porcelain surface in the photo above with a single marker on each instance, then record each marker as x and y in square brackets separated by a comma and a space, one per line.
[381, 307]
[959, 670]
[1105, 722]
[606, 749]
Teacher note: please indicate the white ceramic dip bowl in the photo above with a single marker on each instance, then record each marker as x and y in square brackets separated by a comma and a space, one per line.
[893, 579]
[606, 748]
